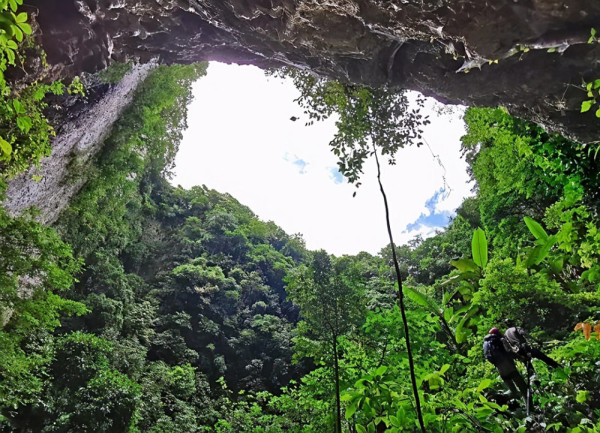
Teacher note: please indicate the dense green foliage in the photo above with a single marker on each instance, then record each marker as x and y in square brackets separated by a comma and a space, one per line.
[331, 296]
[513, 272]
[34, 265]
[181, 288]
[150, 308]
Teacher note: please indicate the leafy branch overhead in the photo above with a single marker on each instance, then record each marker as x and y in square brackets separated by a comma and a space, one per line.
[364, 115]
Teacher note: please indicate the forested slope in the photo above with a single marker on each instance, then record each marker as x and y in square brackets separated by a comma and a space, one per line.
[150, 308]
[179, 288]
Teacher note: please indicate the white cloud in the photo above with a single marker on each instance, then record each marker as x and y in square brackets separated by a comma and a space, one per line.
[241, 141]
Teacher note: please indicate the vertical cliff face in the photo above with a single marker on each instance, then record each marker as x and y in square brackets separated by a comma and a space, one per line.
[78, 141]
[445, 49]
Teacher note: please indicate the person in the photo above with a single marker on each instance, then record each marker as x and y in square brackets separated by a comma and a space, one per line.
[515, 337]
[496, 352]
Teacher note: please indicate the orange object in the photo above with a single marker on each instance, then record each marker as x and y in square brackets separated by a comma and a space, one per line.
[587, 329]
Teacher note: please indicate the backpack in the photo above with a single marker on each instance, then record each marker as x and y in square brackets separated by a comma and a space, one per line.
[493, 348]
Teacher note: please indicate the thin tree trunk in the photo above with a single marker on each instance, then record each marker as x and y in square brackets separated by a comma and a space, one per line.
[400, 298]
[338, 421]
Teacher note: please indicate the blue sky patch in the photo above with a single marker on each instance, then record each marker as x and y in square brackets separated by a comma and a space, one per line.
[301, 164]
[434, 219]
[298, 162]
[335, 175]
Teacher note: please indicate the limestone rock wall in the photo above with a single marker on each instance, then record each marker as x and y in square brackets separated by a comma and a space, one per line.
[65, 171]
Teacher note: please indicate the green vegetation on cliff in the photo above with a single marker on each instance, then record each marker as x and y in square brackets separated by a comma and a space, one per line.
[150, 308]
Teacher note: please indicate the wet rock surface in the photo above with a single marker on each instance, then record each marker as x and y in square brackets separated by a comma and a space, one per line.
[412, 44]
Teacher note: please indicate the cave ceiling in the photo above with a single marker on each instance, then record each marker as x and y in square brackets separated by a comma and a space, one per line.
[529, 56]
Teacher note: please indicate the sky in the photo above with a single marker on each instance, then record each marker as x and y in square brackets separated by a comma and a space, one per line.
[241, 141]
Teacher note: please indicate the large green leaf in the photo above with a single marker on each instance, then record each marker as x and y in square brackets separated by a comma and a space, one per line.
[435, 381]
[26, 28]
[24, 123]
[586, 105]
[18, 33]
[466, 290]
[464, 265]
[540, 252]
[460, 334]
[479, 248]
[423, 300]
[351, 410]
[485, 383]
[557, 264]
[448, 313]
[532, 258]
[536, 229]
[5, 147]
[545, 250]
[464, 275]
[381, 370]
